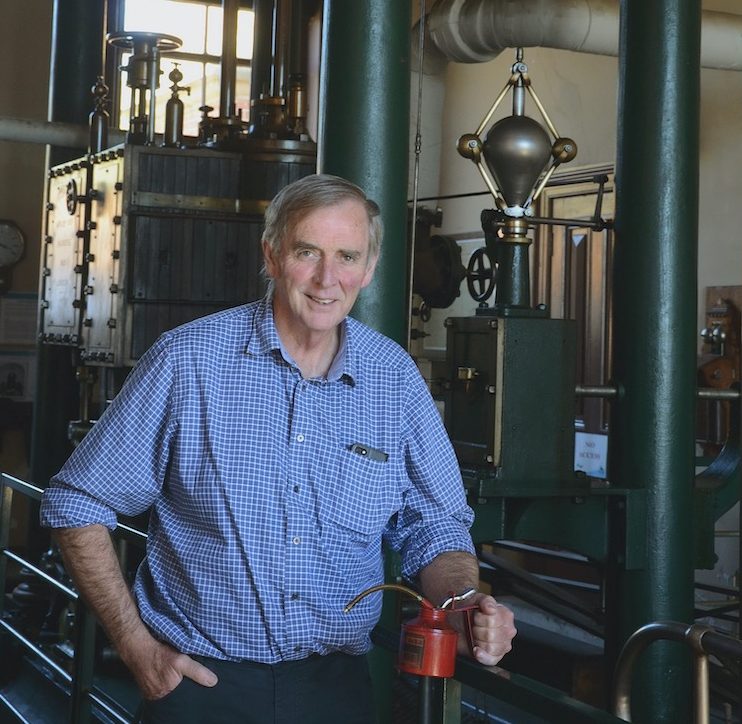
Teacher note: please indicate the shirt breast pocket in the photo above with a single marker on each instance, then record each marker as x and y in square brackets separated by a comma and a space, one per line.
[363, 495]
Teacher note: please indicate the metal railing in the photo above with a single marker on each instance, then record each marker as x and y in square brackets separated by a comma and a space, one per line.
[525, 694]
[84, 695]
[703, 641]
[532, 696]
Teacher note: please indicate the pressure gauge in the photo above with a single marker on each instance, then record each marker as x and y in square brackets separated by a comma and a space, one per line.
[12, 243]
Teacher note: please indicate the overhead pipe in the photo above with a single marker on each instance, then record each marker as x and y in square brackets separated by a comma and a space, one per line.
[54, 133]
[476, 31]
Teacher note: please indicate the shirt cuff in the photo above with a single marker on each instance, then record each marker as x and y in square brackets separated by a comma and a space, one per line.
[426, 543]
[68, 508]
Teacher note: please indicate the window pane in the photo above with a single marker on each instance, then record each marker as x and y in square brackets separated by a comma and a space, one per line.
[214, 31]
[185, 20]
[245, 20]
[213, 86]
[242, 93]
[124, 95]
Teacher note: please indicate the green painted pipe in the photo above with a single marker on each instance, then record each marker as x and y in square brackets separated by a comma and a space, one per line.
[78, 27]
[76, 61]
[654, 302]
[363, 136]
[364, 126]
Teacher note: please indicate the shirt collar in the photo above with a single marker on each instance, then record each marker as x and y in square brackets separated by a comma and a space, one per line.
[264, 340]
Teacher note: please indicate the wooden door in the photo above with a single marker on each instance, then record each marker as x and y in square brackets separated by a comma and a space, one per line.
[571, 273]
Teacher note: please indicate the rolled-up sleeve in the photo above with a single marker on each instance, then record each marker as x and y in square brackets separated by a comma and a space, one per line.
[435, 517]
[120, 465]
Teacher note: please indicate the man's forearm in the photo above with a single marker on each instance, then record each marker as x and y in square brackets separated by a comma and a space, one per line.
[449, 573]
[90, 559]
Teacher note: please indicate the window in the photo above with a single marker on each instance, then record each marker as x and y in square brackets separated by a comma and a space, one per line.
[199, 26]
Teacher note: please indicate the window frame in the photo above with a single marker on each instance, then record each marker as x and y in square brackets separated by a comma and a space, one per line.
[114, 76]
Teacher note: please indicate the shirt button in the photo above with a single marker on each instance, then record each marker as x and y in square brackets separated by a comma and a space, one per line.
[294, 596]
[296, 488]
[296, 540]
[300, 438]
[297, 649]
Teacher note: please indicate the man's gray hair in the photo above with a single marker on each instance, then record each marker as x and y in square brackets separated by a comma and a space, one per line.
[293, 202]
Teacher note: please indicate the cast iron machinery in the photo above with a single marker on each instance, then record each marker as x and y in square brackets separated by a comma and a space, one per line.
[142, 237]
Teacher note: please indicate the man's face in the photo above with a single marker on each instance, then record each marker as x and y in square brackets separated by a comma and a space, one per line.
[321, 267]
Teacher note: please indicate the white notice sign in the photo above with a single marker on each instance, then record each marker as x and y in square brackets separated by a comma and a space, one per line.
[591, 454]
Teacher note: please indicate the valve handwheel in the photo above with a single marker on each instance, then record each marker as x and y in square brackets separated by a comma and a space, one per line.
[132, 40]
[480, 275]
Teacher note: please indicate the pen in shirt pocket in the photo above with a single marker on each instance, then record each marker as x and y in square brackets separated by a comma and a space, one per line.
[369, 452]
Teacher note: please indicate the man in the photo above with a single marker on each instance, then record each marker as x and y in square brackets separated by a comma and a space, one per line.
[277, 444]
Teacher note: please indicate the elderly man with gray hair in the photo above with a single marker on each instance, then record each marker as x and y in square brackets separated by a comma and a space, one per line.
[276, 445]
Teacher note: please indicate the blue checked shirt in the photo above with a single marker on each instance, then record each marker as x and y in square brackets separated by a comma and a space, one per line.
[265, 519]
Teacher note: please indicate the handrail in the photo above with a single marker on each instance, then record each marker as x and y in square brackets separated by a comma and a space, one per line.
[36, 651]
[32, 491]
[702, 639]
[82, 692]
[53, 582]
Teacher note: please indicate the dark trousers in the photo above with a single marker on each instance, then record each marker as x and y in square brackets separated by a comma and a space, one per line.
[316, 690]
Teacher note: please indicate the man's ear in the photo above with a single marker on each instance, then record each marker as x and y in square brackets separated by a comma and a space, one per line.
[271, 268]
[370, 269]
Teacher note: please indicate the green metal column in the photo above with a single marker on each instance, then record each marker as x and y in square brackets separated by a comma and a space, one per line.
[364, 127]
[655, 292]
[363, 136]
[78, 30]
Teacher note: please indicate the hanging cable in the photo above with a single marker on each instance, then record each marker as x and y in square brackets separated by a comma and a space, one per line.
[416, 172]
